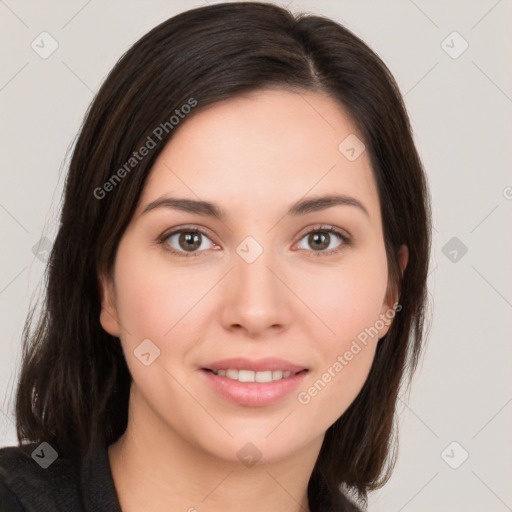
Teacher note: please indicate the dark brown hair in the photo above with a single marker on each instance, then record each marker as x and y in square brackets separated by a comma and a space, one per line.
[74, 383]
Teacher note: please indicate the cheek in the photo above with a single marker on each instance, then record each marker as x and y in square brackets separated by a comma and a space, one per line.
[156, 301]
[331, 391]
[154, 295]
[344, 359]
[348, 301]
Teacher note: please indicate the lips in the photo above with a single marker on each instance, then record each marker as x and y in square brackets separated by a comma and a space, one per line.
[254, 383]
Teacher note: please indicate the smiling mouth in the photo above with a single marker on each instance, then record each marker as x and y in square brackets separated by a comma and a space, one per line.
[253, 376]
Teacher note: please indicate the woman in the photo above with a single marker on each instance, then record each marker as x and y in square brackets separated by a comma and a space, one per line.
[238, 285]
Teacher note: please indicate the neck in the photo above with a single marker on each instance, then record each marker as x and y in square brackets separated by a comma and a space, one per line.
[156, 470]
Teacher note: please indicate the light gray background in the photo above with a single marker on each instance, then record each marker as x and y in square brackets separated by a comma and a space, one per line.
[461, 115]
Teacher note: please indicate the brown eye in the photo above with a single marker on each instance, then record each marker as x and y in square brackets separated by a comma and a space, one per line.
[186, 242]
[189, 240]
[319, 240]
[322, 241]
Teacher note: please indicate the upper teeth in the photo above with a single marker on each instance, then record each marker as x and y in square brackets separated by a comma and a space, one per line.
[251, 376]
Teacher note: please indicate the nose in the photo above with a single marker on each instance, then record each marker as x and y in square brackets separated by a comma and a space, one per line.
[256, 298]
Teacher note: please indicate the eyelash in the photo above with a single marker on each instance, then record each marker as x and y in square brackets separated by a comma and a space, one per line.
[192, 229]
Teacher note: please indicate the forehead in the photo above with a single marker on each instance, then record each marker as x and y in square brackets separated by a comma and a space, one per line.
[266, 148]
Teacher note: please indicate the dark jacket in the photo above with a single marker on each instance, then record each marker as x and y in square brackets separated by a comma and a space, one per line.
[66, 485]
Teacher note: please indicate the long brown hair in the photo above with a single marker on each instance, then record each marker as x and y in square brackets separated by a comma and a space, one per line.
[74, 382]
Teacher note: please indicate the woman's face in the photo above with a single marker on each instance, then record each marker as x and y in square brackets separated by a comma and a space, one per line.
[263, 284]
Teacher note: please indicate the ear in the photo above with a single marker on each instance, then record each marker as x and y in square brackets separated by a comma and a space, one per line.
[389, 307]
[108, 316]
[403, 256]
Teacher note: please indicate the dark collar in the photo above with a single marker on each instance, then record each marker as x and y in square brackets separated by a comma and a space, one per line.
[98, 490]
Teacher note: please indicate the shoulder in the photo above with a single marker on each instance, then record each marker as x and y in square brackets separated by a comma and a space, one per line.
[34, 477]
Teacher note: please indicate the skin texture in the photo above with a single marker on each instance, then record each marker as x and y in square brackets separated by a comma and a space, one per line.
[254, 156]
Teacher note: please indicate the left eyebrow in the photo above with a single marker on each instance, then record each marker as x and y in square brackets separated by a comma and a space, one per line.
[315, 204]
[300, 208]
